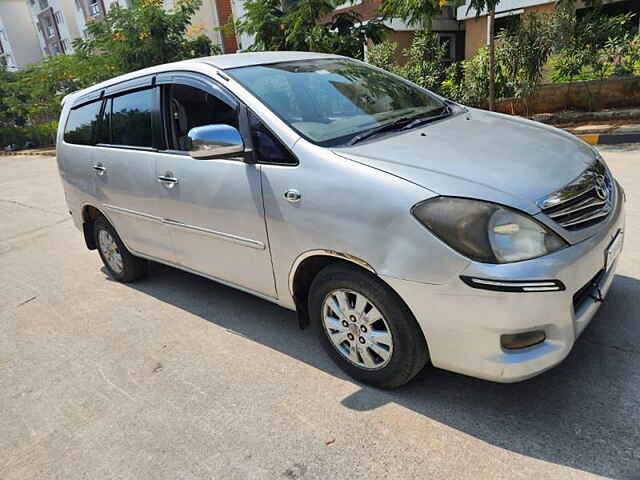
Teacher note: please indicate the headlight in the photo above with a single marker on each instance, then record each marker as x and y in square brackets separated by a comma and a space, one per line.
[486, 232]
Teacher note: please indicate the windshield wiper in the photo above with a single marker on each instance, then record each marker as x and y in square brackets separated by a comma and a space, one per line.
[402, 123]
[445, 112]
[394, 125]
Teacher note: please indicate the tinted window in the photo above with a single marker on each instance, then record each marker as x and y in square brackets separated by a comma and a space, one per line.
[131, 119]
[267, 147]
[82, 125]
[190, 107]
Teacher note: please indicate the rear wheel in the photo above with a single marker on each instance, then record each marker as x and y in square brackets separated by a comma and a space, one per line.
[119, 262]
[365, 327]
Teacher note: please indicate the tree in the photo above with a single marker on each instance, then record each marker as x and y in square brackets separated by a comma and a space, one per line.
[145, 35]
[490, 7]
[414, 12]
[527, 49]
[425, 60]
[307, 26]
[263, 20]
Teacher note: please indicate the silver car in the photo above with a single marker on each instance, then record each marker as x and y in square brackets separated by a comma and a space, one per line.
[405, 228]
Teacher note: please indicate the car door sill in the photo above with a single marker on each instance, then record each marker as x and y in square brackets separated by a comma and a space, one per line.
[264, 296]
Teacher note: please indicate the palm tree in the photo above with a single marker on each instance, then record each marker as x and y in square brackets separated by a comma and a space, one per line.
[490, 7]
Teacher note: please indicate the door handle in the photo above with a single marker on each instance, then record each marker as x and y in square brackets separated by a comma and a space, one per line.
[100, 170]
[168, 180]
[292, 195]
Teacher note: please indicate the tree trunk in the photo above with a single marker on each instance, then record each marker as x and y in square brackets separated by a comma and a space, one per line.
[492, 61]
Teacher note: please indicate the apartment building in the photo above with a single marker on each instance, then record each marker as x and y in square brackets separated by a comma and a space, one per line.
[87, 10]
[18, 42]
[59, 22]
[207, 20]
[509, 11]
[56, 25]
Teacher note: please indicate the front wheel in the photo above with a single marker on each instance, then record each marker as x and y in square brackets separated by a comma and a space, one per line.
[365, 327]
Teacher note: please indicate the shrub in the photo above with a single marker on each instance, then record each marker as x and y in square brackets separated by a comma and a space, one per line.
[425, 61]
[453, 85]
[594, 47]
[383, 55]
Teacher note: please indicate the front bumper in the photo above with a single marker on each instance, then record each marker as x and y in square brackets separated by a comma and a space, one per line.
[463, 325]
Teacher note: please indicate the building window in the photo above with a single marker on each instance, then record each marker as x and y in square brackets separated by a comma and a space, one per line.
[449, 44]
[43, 4]
[94, 8]
[65, 46]
[78, 7]
[51, 31]
[59, 18]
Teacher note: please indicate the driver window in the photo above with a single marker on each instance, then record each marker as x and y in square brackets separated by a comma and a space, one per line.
[188, 107]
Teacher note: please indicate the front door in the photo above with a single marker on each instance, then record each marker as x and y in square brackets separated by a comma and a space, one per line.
[213, 208]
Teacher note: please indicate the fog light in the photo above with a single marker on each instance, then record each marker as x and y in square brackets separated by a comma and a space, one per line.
[522, 340]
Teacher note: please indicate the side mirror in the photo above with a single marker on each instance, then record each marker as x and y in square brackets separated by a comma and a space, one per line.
[215, 141]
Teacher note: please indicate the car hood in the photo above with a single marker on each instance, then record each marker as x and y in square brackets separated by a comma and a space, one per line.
[479, 154]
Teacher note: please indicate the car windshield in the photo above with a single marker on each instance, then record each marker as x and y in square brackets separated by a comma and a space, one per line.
[331, 101]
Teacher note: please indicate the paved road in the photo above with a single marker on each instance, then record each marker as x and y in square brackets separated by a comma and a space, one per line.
[178, 377]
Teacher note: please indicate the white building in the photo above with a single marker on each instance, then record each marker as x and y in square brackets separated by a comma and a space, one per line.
[86, 10]
[18, 41]
[56, 25]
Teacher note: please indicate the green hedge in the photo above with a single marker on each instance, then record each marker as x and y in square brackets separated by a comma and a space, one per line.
[41, 135]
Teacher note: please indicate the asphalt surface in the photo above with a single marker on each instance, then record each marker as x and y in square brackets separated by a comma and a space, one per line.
[177, 377]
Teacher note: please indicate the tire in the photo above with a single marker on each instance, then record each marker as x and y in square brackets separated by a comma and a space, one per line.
[397, 363]
[129, 268]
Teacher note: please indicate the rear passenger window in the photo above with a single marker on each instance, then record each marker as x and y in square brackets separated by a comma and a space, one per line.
[131, 119]
[82, 125]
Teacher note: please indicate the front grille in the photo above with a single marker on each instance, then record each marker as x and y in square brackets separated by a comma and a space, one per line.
[584, 202]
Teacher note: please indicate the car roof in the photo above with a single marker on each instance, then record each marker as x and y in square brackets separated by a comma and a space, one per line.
[222, 62]
[235, 60]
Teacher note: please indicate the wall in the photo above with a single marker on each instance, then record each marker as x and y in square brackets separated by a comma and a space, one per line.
[593, 95]
[21, 36]
[503, 6]
[403, 40]
[476, 28]
[475, 35]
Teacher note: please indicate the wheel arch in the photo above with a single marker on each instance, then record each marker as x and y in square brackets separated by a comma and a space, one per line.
[308, 264]
[89, 215]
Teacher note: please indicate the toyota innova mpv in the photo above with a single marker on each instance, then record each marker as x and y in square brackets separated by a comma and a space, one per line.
[404, 227]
